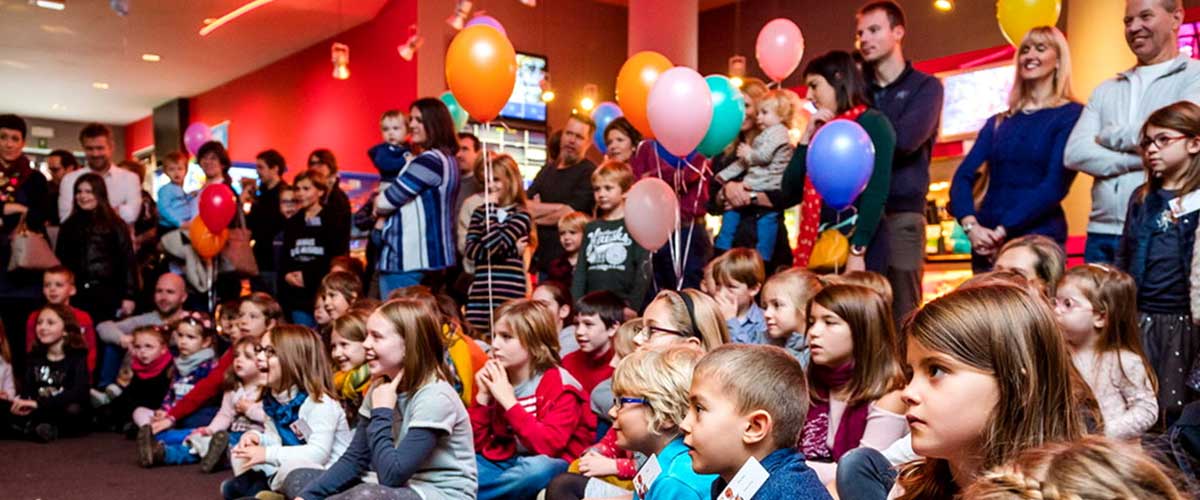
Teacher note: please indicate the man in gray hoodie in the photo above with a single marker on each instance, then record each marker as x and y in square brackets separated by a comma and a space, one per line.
[1104, 143]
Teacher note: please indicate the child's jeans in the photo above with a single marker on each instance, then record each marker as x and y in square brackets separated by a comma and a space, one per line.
[766, 228]
[517, 478]
[178, 452]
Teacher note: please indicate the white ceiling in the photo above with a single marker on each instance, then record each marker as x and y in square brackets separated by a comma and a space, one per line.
[50, 59]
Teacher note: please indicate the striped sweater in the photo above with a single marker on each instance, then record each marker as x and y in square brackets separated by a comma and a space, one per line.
[500, 270]
[419, 235]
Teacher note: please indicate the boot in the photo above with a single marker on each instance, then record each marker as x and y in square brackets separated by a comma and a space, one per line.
[150, 451]
[215, 456]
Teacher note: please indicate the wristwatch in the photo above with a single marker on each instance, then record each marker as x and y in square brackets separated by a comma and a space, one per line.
[858, 250]
[967, 227]
[753, 197]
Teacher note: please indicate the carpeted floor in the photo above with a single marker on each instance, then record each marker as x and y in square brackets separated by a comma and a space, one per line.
[98, 466]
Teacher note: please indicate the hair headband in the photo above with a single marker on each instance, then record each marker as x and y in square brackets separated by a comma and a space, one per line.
[691, 310]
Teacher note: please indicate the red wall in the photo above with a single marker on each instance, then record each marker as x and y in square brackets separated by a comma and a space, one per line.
[138, 135]
[294, 105]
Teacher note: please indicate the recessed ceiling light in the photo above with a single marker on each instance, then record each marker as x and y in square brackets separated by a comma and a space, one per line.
[51, 4]
[148, 57]
[100, 85]
[14, 64]
[57, 106]
[209, 20]
[57, 29]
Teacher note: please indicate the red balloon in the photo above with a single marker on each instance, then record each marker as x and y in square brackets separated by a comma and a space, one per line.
[218, 205]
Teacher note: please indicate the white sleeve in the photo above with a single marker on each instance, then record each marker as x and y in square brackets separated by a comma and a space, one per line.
[322, 419]
[130, 201]
[66, 195]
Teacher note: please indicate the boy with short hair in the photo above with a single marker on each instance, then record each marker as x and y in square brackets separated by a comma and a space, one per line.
[391, 155]
[611, 259]
[570, 235]
[175, 206]
[739, 275]
[58, 286]
[761, 394]
[597, 317]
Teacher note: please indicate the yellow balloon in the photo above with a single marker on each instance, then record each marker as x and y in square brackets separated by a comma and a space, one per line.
[1017, 17]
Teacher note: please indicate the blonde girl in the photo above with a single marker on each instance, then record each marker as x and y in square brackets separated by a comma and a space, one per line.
[493, 239]
[1095, 307]
[684, 316]
[525, 396]
[991, 378]
[351, 375]
[1089, 467]
[1163, 216]
[854, 377]
[413, 430]
[305, 426]
[785, 299]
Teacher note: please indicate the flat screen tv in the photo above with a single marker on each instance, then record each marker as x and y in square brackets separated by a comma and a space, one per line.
[526, 100]
[971, 97]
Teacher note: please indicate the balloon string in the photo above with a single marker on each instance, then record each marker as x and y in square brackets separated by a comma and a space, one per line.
[488, 208]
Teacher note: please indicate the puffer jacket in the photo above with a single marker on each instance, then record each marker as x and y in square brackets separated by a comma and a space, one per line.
[100, 256]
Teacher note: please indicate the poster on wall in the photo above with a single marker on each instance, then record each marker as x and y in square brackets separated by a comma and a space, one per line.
[220, 133]
[971, 97]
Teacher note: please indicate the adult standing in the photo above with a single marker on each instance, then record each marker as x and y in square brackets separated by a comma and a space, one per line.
[215, 162]
[96, 245]
[1104, 143]
[621, 140]
[265, 219]
[912, 101]
[20, 291]
[1023, 148]
[562, 187]
[469, 150]
[123, 187]
[336, 202]
[417, 244]
[60, 162]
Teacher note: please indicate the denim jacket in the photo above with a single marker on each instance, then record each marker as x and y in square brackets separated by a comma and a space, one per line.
[1140, 220]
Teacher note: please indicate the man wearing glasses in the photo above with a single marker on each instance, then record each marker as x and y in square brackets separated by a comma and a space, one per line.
[1105, 141]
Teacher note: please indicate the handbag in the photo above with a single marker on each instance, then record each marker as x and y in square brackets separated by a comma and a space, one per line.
[30, 250]
[238, 252]
[832, 249]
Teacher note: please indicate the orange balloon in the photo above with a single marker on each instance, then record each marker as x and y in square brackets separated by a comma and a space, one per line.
[481, 68]
[206, 244]
[637, 76]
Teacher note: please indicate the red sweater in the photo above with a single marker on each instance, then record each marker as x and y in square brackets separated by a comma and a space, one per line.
[89, 334]
[560, 428]
[607, 447]
[205, 390]
[590, 371]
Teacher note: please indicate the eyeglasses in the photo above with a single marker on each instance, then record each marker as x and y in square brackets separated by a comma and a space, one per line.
[647, 332]
[1160, 141]
[620, 403]
[268, 350]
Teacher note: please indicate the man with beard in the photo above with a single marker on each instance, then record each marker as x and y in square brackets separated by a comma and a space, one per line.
[1104, 143]
[562, 188]
[169, 295]
[124, 187]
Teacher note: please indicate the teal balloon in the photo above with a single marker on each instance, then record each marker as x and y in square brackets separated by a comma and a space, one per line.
[729, 111]
[457, 112]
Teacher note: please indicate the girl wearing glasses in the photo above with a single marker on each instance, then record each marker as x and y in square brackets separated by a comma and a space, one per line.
[684, 316]
[1095, 307]
[1156, 245]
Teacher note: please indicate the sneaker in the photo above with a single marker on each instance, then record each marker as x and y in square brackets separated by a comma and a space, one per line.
[215, 456]
[99, 398]
[45, 433]
[150, 451]
[269, 495]
[113, 391]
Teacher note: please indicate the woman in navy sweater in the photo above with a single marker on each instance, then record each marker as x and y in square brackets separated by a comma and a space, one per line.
[1023, 148]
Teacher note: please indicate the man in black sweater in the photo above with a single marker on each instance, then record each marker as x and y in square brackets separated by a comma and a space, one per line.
[565, 184]
[265, 220]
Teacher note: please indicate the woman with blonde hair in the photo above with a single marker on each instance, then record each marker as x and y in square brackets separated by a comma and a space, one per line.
[1024, 178]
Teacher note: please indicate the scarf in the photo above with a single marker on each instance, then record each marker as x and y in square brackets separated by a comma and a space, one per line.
[283, 415]
[185, 364]
[814, 438]
[352, 384]
[810, 207]
[152, 369]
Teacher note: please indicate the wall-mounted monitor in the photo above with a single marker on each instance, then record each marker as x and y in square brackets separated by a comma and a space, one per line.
[526, 100]
[971, 97]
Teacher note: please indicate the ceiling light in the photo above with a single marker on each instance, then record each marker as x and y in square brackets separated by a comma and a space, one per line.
[409, 49]
[209, 20]
[459, 18]
[233, 14]
[57, 29]
[14, 64]
[340, 54]
[547, 90]
[100, 85]
[57, 106]
[148, 57]
[50, 4]
[590, 94]
[943, 5]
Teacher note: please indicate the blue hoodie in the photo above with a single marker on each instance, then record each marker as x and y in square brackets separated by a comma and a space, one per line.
[791, 479]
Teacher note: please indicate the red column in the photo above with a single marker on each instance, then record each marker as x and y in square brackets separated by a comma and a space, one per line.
[669, 27]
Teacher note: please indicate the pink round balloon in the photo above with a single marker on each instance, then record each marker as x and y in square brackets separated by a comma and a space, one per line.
[779, 48]
[657, 209]
[679, 109]
[195, 136]
[488, 21]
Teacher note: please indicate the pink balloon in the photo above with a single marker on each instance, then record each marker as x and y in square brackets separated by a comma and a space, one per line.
[679, 109]
[779, 48]
[195, 136]
[656, 208]
[488, 21]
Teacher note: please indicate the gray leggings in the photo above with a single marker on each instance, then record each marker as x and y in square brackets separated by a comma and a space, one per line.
[300, 478]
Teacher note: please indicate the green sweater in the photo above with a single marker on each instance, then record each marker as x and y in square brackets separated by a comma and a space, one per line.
[610, 259]
[870, 203]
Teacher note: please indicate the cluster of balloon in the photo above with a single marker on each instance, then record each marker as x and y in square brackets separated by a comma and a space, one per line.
[728, 113]
[457, 113]
[218, 205]
[481, 68]
[680, 110]
[1017, 17]
[603, 115]
[195, 136]
[634, 81]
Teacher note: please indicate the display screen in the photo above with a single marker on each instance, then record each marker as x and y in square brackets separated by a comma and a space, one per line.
[526, 100]
[971, 97]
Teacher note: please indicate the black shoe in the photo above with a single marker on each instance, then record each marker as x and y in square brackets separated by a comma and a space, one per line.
[45, 433]
[150, 451]
[215, 456]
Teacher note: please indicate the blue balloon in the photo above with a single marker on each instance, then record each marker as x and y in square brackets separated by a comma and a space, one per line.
[604, 114]
[668, 158]
[841, 158]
